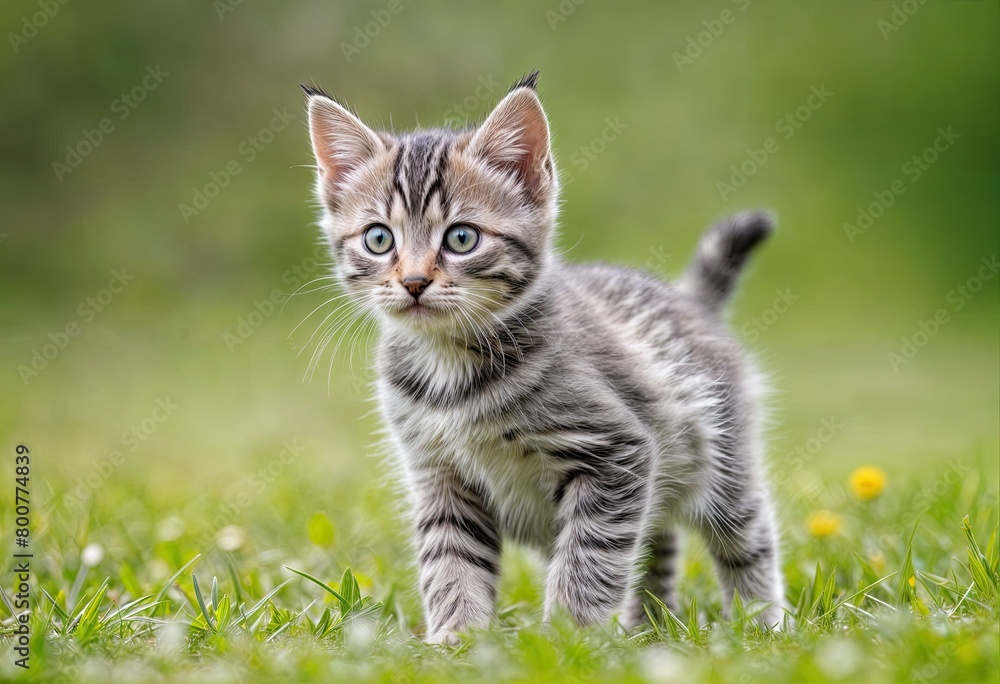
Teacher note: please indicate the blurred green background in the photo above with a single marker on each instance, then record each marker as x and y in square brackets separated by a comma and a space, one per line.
[645, 136]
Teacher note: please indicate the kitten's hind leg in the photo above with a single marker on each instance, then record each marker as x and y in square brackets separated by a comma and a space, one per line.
[660, 578]
[741, 534]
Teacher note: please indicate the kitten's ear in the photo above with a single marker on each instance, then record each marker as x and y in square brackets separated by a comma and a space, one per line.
[340, 141]
[515, 138]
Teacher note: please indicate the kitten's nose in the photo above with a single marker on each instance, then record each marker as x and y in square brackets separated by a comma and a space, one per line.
[416, 284]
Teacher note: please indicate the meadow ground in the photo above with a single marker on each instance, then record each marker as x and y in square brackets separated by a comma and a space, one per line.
[171, 436]
[236, 472]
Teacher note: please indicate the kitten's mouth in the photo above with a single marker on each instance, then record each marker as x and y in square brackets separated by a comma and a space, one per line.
[418, 310]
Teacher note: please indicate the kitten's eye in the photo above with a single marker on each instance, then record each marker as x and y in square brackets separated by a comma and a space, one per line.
[378, 239]
[461, 239]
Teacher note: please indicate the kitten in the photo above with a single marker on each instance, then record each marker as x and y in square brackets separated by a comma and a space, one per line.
[583, 410]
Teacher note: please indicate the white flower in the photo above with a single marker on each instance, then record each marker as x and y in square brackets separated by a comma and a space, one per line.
[359, 634]
[230, 538]
[92, 554]
[838, 658]
[663, 667]
[170, 637]
[170, 529]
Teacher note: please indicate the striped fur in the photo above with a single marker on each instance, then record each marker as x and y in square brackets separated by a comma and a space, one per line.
[586, 411]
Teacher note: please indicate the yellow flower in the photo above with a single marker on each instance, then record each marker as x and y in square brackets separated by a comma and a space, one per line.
[913, 581]
[868, 482]
[877, 561]
[823, 523]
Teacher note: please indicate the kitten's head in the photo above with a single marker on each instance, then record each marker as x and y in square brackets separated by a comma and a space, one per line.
[437, 229]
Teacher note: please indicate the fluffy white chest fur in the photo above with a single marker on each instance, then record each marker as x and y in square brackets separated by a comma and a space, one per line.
[516, 479]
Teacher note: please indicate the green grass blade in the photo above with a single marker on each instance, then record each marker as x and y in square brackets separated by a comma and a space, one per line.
[223, 612]
[326, 587]
[234, 575]
[905, 594]
[173, 578]
[88, 620]
[248, 615]
[201, 603]
[984, 574]
[351, 592]
[861, 592]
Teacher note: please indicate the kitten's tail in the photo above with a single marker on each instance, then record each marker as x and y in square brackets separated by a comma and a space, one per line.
[721, 255]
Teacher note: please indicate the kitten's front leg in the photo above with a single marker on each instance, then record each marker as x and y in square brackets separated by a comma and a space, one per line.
[601, 513]
[459, 555]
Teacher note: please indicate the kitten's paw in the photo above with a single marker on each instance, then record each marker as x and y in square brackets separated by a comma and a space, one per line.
[775, 618]
[631, 618]
[444, 637]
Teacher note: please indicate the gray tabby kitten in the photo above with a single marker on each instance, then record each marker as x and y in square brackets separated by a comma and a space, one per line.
[583, 410]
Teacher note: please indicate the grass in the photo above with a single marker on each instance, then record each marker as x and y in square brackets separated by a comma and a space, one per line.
[247, 536]
[922, 607]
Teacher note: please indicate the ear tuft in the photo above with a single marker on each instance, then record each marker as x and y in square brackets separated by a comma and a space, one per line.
[529, 80]
[314, 90]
